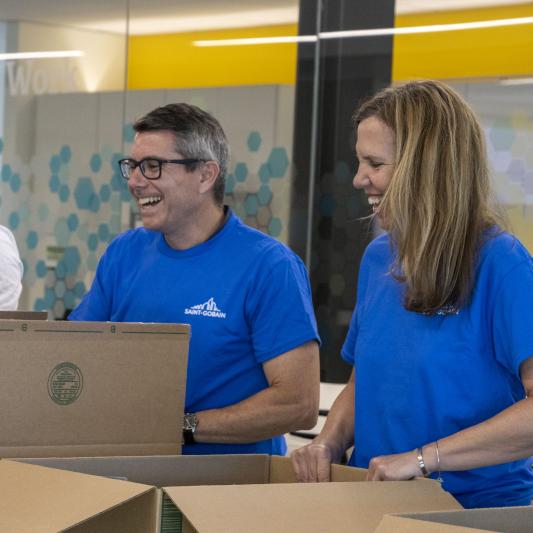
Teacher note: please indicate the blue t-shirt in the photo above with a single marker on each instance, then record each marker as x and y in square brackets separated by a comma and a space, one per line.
[246, 296]
[421, 378]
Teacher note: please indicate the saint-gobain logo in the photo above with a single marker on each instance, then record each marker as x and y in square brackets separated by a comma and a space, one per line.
[65, 383]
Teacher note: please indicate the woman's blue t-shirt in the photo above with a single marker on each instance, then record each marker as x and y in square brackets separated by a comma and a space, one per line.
[421, 378]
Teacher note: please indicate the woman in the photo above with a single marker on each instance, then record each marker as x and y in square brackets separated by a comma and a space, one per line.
[441, 339]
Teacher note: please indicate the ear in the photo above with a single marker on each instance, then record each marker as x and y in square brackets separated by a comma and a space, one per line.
[209, 172]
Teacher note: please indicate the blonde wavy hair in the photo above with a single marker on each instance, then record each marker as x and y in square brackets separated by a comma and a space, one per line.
[438, 204]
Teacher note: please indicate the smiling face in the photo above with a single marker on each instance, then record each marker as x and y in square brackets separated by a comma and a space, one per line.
[170, 202]
[375, 150]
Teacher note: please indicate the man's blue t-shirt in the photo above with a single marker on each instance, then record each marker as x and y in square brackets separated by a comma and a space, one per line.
[246, 296]
[421, 378]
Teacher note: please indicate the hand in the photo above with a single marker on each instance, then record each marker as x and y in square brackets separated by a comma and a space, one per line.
[312, 463]
[395, 467]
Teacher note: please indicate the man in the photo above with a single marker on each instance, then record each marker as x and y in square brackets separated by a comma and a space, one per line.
[253, 371]
[11, 271]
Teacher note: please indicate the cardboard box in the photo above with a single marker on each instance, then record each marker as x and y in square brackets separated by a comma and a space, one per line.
[502, 520]
[43, 500]
[91, 388]
[255, 493]
[23, 315]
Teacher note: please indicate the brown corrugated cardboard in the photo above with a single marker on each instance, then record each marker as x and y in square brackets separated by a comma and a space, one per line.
[357, 507]
[298, 507]
[495, 520]
[91, 388]
[181, 470]
[23, 315]
[43, 500]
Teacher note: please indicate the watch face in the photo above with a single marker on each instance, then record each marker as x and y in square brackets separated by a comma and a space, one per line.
[190, 421]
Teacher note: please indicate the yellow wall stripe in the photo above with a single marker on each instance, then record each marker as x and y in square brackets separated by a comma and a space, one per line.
[171, 60]
[491, 52]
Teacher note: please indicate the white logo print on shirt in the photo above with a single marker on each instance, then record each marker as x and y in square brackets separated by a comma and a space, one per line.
[208, 308]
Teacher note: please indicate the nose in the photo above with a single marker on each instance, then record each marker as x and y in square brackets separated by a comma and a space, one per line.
[137, 180]
[360, 180]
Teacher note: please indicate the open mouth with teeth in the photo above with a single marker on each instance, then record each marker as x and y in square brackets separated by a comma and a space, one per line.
[148, 201]
[374, 201]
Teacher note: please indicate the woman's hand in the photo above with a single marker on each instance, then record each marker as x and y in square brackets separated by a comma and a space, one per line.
[312, 463]
[395, 467]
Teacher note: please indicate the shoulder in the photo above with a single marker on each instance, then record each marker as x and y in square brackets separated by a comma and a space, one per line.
[263, 247]
[379, 250]
[501, 252]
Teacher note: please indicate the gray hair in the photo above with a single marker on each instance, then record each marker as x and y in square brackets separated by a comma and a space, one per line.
[198, 135]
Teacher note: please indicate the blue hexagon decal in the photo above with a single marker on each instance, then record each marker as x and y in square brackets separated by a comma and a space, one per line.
[79, 289]
[61, 270]
[264, 173]
[251, 204]
[103, 232]
[274, 227]
[264, 196]
[92, 242]
[254, 141]
[41, 269]
[73, 222]
[105, 192]
[230, 183]
[39, 305]
[55, 164]
[54, 183]
[15, 183]
[6, 173]
[64, 193]
[14, 220]
[241, 171]
[32, 239]
[65, 153]
[278, 162]
[128, 133]
[96, 163]
[85, 195]
[72, 260]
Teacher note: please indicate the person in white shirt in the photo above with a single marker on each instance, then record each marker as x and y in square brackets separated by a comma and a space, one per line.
[11, 271]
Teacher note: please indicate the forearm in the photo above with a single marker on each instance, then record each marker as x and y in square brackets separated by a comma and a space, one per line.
[338, 431]
[268, 413]
[506, 437]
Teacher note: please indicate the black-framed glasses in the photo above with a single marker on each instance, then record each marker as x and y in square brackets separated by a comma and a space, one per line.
[151, 166]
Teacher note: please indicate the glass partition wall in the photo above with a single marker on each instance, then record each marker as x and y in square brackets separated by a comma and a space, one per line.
[61, 118]
[282, 81]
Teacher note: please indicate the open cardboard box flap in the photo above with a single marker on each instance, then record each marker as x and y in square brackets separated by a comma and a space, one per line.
[495, 520]
[91, 388]
[298, 507]
[256, 492]
[181, 470]
[40, 499]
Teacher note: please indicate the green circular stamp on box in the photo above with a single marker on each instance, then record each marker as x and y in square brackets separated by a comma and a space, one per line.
[65, 383]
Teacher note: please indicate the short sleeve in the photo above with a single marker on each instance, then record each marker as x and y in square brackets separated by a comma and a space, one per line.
[280, 310]
[513, 317]
[348, 348]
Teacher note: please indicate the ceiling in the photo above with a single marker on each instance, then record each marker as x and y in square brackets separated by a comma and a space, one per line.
[164, 16]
